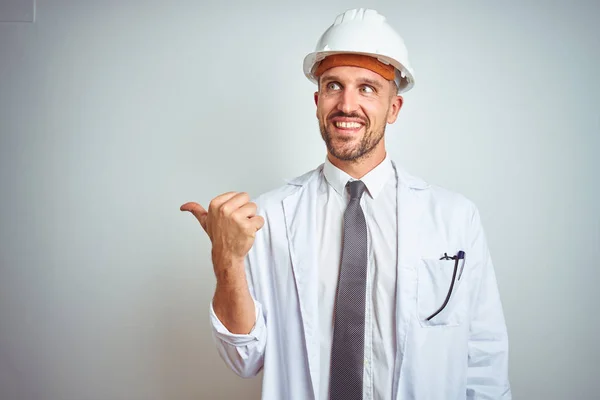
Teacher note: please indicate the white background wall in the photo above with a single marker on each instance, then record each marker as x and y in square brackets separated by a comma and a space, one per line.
[114, 113]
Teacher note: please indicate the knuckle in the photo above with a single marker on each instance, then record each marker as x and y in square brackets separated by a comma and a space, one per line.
[225, 209]
[237, 217]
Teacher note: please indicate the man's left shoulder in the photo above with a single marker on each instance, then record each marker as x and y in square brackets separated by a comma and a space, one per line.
[437, 196]
[451, 198]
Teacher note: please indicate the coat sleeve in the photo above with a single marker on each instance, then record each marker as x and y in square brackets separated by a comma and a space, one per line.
[244, 354]
[487, 374]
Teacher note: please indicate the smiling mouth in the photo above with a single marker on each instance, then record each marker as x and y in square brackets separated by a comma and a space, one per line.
[347, 125]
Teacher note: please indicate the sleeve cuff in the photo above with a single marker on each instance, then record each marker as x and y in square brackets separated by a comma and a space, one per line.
[235, 339]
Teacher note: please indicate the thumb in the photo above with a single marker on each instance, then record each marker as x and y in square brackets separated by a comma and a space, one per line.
[198, 211]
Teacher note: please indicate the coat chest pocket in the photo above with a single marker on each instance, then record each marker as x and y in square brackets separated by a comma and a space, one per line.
[434, 280]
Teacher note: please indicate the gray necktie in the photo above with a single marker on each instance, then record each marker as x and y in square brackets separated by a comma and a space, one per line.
[347, 351]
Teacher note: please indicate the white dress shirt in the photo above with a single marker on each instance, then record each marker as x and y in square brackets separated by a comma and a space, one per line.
[379, 206]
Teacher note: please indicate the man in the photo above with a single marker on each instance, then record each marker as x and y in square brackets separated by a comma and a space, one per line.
[357, 280]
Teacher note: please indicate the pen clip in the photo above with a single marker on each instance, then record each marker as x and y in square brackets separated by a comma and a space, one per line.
[461, 256]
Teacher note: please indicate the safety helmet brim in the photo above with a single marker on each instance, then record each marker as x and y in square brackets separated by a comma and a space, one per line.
[312, 60]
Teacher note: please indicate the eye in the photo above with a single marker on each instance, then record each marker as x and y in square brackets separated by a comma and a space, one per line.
[367, 89]
[333, 86]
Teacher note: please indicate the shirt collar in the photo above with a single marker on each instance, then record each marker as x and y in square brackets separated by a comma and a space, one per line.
[374, 180]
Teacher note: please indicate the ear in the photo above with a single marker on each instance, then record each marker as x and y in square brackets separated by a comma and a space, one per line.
[395, 106]
[316, 98]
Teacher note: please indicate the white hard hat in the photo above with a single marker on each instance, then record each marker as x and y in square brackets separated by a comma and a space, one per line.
[366, 32]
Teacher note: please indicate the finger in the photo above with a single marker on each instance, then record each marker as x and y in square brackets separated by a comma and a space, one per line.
[235, 202]
[197, 210]
[218, 201]
[189, 206]
[246, 211]
[257, 222]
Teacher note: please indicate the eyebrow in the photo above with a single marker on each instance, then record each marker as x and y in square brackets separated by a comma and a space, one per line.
[367, 81]
[371, 82]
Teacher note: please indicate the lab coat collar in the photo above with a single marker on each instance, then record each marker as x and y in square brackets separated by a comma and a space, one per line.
[404, 178]
[300, 213]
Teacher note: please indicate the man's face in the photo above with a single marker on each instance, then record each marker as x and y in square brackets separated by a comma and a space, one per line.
[353, 107]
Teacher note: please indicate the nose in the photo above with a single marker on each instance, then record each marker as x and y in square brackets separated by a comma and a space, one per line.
[348, 101]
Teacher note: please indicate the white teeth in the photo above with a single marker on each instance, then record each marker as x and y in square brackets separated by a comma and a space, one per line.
[347, 125]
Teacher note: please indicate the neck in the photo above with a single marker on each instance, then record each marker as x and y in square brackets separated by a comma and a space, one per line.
[359, 167]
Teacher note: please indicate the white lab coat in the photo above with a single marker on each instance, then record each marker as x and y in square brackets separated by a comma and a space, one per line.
[462, 353]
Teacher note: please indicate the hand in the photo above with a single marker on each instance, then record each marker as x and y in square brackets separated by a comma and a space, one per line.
[231, 224]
